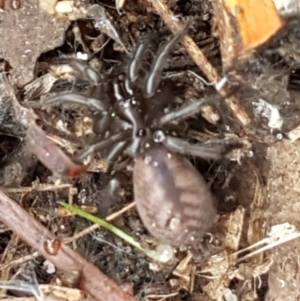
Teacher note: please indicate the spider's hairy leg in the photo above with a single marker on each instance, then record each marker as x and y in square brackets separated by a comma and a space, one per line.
[182, 113]
[104, 144]
[154, 77]
[74, 98]
[184, 147]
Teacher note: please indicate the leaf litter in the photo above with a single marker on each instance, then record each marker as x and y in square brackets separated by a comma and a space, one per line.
[252, 250]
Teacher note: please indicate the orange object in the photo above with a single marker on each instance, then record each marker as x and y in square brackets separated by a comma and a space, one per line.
[52, 246]
[258, 20]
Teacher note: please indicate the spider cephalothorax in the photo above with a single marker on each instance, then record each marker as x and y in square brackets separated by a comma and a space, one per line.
[172, 198]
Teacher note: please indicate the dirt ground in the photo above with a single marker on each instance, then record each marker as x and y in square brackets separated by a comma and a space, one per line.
[251, 252]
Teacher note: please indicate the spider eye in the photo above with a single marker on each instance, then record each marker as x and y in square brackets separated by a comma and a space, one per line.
[141, 132]
[133, 102]
[159, 136]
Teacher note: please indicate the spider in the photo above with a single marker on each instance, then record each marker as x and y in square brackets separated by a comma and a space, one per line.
[173, 200]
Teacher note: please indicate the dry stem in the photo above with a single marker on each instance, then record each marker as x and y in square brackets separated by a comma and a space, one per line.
[18, 261]
[200, 60]
[32, 232]
[68, 240]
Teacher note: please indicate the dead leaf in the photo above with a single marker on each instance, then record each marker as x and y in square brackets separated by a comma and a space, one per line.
[103, 23]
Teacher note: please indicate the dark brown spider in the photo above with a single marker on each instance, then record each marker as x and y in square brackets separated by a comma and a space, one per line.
[173, 200]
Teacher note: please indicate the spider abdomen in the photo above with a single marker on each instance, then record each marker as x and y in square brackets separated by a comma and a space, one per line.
[172, 199]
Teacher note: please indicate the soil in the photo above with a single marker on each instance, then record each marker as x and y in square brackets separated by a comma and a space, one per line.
[255, 185]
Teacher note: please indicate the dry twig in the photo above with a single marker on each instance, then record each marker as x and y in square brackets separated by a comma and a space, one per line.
[19, 261]
[93, 281]
[200, 60]
[37, 187]
[68, 240]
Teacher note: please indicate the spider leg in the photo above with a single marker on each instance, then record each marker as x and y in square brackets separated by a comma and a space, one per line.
[101, 145]
[101, 123]
[135, 64]
[86, 71]
[116, 150]
[74, 98]
[182, 112]
[181, 146]
[154, 77]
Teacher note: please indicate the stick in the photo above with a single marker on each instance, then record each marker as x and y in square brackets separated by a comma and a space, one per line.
[200, 60]
[93, 281]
